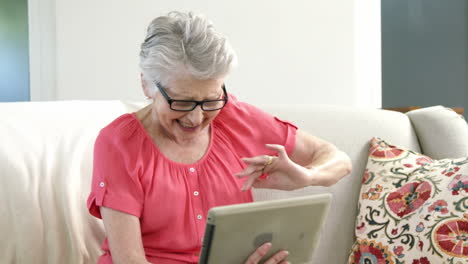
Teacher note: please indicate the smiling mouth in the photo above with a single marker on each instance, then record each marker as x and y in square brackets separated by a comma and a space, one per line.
[187, 127]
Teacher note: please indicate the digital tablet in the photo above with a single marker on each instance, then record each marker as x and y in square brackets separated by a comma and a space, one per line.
[234, 232]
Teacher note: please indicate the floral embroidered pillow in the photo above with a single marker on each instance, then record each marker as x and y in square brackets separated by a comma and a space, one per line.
[412, 209]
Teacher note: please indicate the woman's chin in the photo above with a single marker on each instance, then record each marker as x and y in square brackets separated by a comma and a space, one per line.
[187, 134]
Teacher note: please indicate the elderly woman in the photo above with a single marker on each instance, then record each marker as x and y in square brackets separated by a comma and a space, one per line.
[159, 170]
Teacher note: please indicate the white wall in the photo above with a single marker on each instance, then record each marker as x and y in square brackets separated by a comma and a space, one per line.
[367, 53]
[42, 50]
[301, 51]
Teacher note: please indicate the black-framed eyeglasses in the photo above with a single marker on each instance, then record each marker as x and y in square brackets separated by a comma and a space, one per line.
[189, 105]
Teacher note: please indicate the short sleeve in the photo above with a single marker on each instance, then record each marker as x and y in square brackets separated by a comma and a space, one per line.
[115, 183]
[250, 128]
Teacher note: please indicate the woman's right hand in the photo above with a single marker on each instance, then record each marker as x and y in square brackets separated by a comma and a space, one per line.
[279, 257]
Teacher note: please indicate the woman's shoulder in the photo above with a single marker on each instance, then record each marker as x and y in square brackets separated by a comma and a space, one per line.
[236, 107]
[237, 111]
[120, 129]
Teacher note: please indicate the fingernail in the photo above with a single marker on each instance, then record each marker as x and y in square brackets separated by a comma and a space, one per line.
[287, 253]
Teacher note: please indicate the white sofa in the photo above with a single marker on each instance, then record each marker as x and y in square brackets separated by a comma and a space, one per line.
[46, 163]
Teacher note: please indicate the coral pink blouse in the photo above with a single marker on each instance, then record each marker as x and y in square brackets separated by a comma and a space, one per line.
[171, 199]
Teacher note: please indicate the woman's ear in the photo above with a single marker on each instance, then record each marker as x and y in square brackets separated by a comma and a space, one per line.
[145, 86]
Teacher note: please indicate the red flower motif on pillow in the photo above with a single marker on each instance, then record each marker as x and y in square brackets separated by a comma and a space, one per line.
[409, 198]
[422, 260]
[368, 177]
[398, 251]
[371, 252]
[458, 184]
[451, 237]
[423, 160]
[439, 206]
[382, 151]
[450, 171]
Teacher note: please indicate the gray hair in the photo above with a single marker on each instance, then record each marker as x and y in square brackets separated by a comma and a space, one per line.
[184, 43]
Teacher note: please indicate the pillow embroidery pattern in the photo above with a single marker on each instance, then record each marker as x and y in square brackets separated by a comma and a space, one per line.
[412, 209]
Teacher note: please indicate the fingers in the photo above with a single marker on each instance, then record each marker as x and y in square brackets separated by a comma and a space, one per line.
[250, 180]
[265, 160]
[282, 154]
[249, 170]
[259, 165]
[262, 163]
[259, 254]
[262, 160]
[253, 171]
[278, 257]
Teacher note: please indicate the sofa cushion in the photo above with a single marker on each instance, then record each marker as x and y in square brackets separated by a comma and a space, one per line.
[412, 209]
[441, 132]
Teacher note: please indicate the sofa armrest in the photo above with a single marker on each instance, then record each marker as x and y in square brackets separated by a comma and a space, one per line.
[442, 133]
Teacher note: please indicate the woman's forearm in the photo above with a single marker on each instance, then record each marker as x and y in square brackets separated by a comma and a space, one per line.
[330, 170]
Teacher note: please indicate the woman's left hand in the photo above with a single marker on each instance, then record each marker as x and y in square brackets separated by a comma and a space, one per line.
[282, 173]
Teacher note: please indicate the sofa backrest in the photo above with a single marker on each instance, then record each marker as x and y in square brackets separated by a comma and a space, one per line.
[45, 174]
[46, 165]
[350, 129]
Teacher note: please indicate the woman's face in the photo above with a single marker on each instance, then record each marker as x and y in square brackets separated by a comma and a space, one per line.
[185, 127]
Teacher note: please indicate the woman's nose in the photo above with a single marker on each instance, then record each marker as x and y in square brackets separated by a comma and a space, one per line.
[196, 115]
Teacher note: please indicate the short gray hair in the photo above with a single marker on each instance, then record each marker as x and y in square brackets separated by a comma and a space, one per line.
[187, 42]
